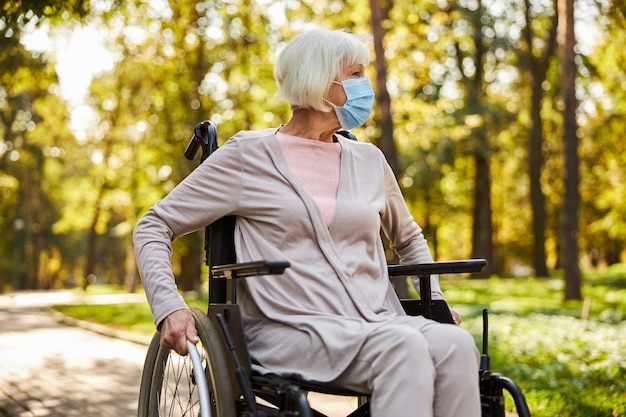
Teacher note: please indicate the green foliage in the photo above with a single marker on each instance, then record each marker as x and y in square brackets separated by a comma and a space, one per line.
[178, 63]
[14, 15]
[566, 366]
[32, 137]
[603, 157]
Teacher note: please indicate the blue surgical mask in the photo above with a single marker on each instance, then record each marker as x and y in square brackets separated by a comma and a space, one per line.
[359, 100]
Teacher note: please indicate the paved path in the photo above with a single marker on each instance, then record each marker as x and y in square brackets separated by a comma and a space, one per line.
[48, 368]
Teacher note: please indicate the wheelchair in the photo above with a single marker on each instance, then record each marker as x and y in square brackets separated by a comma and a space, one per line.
[172, 386]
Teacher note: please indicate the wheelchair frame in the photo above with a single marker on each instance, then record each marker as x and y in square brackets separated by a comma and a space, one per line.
[170, 385]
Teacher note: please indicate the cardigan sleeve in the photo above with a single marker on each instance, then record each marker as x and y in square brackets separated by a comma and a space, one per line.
[208, 193]
[405, 235]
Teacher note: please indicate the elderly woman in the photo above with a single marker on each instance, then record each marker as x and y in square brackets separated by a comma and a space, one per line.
[303, 194]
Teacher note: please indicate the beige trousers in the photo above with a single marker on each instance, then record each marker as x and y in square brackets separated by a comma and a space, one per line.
[412, 366]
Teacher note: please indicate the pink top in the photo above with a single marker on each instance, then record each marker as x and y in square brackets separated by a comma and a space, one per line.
[315, 165]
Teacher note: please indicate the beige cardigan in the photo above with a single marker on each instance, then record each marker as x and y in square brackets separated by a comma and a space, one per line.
[314, 318]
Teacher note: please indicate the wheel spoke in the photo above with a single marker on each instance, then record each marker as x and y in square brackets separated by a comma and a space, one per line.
[178, 394]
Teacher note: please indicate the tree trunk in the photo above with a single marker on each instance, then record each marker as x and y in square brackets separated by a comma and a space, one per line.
[190, 262]
[482, 223]
[482, 226]
[190, 277]
[571, 198]
[92, 238]
[537, 198]
[536, 74]
[379, 13]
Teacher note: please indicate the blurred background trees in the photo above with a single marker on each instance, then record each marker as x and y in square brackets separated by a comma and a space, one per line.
[473, 109]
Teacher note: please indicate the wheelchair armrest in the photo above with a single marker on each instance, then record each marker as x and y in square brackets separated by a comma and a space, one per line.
[426, 306]
[248, 269]
[449, 267]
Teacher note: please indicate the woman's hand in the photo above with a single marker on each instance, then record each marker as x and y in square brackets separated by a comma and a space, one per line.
[456, 316]
[176, 329]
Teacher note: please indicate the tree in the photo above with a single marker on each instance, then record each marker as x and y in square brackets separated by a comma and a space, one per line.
[379, 14]
[571, 198]
[603, 183]
[31, 130]
[468, 102]
[538, 60]
[184, 63]
[482, 226]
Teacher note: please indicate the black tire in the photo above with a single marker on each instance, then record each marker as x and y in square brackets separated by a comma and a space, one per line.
[168, 382]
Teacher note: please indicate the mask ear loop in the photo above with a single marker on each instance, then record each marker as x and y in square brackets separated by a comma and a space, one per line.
[330, 102]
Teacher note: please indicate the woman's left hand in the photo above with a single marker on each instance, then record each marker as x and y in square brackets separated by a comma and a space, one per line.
[456, 316]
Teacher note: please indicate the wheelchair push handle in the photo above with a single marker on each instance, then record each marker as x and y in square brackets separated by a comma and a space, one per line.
[205, 137]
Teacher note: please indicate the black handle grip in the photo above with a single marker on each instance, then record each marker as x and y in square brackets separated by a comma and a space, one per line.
[205, 136]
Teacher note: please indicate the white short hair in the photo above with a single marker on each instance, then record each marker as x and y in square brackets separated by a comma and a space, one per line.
[308, 65]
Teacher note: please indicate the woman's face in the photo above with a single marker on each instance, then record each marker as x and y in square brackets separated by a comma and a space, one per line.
[336, 95]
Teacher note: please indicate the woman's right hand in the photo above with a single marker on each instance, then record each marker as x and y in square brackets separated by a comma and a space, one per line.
[176, 329]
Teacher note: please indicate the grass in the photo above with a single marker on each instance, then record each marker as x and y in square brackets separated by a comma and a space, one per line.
[99, 289]
[566, 366]
[132, 317]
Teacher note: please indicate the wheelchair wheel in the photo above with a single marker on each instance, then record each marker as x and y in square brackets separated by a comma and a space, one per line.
[168, 383]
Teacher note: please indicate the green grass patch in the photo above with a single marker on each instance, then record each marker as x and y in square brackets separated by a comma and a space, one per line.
[566, 366]
[132, 317]
[97, 289]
